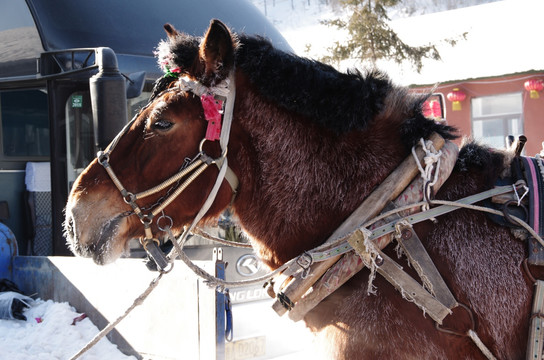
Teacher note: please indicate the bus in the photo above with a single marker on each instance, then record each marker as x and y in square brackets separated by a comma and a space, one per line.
[51, 55]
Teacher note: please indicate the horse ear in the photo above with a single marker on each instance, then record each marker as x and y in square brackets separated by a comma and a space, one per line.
[217, 52]
[171, 31]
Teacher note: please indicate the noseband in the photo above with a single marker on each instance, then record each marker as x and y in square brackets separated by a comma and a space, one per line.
[189, 171]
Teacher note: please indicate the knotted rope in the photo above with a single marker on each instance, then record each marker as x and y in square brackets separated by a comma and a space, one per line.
[431, 157]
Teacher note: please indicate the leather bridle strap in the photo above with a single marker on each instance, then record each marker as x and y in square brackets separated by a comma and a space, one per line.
[196, 167]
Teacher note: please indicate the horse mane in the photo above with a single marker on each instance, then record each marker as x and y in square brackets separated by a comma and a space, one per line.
[339, 102]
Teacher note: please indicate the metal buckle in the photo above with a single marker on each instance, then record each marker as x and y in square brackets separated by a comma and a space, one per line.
[103, 158]
[151, 246]
[305, 260]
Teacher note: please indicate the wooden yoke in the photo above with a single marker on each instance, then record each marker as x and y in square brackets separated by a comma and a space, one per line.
[387, 191]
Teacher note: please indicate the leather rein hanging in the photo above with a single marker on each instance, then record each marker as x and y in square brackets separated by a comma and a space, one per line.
[190, 171]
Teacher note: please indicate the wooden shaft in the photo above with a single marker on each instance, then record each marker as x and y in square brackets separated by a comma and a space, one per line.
[387, 191]
[351, 263]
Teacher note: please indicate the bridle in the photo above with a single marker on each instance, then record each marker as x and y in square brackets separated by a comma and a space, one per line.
[188, 173]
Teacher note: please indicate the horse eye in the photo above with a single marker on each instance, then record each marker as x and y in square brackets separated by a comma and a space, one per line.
[162, 125]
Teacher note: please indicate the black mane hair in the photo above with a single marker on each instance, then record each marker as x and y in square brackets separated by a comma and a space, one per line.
[311, 88]
[340, 102]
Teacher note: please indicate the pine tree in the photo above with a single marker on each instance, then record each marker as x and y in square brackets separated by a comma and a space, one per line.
[370, 37]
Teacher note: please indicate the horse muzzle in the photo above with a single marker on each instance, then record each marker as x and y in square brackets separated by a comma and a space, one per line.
[101, 242]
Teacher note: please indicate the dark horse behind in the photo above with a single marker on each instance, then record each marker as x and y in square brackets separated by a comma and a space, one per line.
[308, 145]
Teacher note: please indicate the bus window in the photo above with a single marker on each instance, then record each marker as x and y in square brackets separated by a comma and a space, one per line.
[21, 43]
[79, 134]
[25, 124]
[135, 104]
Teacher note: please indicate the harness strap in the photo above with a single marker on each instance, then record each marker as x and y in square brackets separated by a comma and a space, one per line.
[203, 210]
[532, 171]
[425, 267]
[231, 177]
[344, 269]
[223, 141]
[436, 211]
[536, 331]
[404, 283]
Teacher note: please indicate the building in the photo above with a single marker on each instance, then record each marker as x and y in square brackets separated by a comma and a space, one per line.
[486, 72]
[489, 109]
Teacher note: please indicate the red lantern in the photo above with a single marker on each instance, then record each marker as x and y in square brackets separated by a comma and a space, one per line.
[456, 96]
[534, 86]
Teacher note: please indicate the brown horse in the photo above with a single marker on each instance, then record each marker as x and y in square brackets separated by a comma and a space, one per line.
[308, 144]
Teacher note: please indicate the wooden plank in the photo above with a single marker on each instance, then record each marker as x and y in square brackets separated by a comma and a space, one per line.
[536, 332]
[388, 190]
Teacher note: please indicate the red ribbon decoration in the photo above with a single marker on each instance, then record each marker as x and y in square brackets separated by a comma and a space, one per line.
[212, 113]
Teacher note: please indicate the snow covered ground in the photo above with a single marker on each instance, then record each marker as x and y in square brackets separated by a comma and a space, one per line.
[48, 334]
[502, 36]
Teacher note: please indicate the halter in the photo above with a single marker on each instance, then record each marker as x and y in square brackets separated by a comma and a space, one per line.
[189, 171]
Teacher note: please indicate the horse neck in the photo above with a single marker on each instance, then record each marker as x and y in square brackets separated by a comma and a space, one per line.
[299, 181]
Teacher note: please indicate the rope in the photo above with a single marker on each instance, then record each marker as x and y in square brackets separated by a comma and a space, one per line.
[215, 282]
[138, 301]
[476, 339]
[431, 157]
[208, 236]
[493, 211]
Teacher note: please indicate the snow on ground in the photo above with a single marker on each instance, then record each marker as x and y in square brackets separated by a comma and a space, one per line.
[48, 334]
[502, 37]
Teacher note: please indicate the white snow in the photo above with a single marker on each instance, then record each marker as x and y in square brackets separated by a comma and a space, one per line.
[502, 37]
[48, 334]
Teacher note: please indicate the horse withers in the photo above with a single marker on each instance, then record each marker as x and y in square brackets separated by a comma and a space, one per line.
[307, 144]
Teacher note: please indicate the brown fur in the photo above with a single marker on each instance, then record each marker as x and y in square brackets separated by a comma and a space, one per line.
[298, 182]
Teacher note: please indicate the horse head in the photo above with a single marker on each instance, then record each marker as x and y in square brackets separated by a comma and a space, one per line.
[304, 136]
[166, 137]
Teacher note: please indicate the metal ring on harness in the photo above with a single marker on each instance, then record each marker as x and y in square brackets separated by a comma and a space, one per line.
[146, 220]
[305, 260]
[103, 158]
[201, 150]
[163, 228]
[129, 198]
[507, 214]
[455, 332]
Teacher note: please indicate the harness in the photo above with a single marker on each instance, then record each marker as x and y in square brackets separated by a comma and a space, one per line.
[301, 283]
[190, 171]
